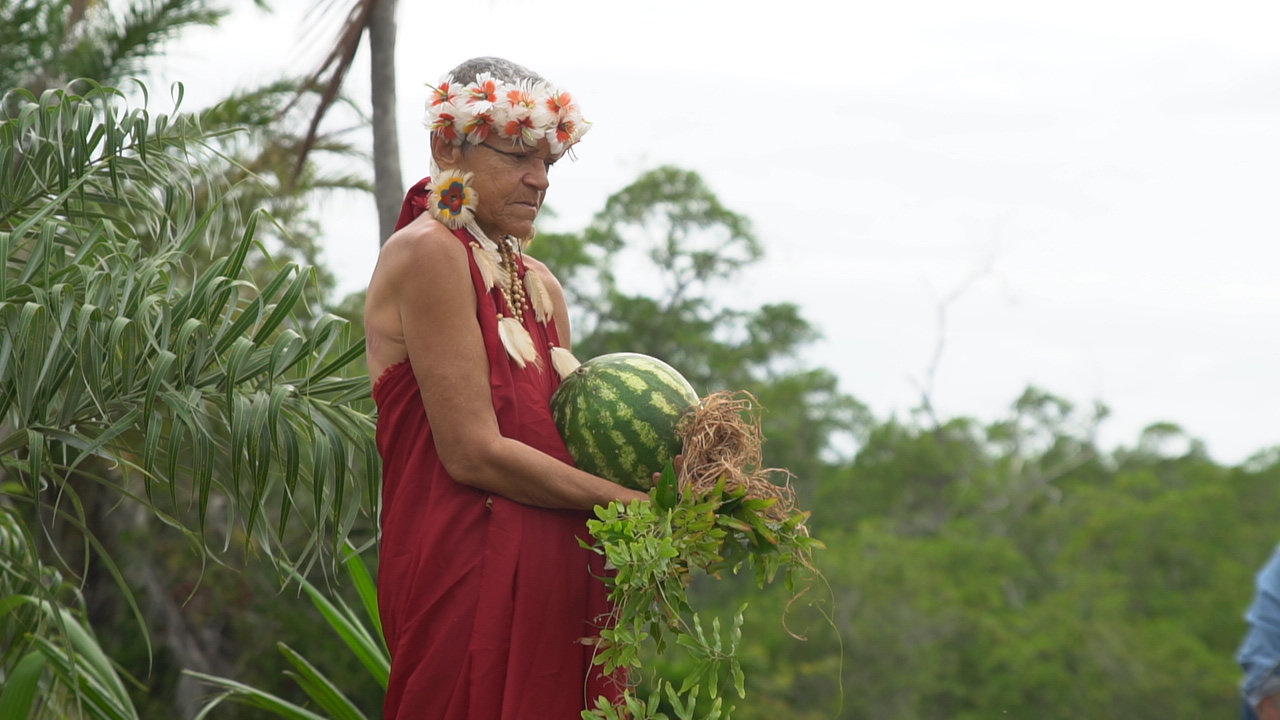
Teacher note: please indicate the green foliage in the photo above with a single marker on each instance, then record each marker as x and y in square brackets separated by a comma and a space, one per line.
[48, 43]
[78, 665]
[1013, 566]
[365, 641]
[656, 549]
[1022, 572]
[130, 374]
[106, 357]
[257, 132]
[59, 667]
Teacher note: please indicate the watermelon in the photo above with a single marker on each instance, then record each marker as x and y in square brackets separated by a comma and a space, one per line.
[618, 414]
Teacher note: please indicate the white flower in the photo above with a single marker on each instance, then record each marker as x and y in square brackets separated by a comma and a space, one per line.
[478, 127]
[444, 118]
[523, 112]
[482, 94]
[446, 92]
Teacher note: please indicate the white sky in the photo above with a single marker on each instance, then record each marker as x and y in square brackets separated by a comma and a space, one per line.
[1108, 171]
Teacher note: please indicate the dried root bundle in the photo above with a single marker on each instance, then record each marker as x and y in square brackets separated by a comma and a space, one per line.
[722, 439]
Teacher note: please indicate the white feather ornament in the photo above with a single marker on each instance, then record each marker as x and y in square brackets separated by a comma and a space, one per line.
[516, 339]
[563, 361]
[538, 296]
[490, 264]
[480, 237]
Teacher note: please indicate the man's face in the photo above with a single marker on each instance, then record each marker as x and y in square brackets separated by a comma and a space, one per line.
[511, 181]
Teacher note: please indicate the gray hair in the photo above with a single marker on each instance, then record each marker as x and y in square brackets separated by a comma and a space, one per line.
[497, 67]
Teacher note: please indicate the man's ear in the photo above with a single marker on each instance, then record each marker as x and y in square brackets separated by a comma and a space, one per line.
[445, 153]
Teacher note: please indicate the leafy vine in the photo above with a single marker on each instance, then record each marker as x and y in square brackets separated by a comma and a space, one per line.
[656, 549]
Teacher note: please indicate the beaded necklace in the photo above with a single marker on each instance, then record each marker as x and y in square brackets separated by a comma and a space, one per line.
[511, 284]
[499, 266]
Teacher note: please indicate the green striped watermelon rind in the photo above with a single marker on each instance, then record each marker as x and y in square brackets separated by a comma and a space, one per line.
[620, 414]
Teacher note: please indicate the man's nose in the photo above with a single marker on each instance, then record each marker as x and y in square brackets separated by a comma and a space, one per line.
[537, 177]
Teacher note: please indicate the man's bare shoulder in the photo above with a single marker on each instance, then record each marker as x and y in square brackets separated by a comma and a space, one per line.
[420, 266]
[421, 245]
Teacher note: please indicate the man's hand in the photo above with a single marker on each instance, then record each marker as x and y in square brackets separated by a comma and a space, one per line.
[678, 463]
[1269, 708]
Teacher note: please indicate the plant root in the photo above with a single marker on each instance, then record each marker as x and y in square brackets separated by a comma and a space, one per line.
[722, 440]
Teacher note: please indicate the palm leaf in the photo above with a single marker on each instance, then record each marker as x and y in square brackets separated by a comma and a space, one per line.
[149, 345]
[79, 663]
[319, 688]
[20, 686]
[366, 645]
[253, 697]
[154, 344]
[189, 384]
[371, 653]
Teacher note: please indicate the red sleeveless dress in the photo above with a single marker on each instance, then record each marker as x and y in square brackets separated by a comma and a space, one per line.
[485, 602]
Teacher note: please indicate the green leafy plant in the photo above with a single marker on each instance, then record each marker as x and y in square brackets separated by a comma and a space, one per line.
[138, 383]
[76, 661]
[58, 666]
[657, 548]
[364, 640]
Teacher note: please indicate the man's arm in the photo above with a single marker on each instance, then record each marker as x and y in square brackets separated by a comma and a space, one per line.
[431, 280]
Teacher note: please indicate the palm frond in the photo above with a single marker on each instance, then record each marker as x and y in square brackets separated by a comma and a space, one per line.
[30, 39]
[213, 385]
[363, 641]
[337, 63]
[111, 47]
[20, 686]
[76, 661]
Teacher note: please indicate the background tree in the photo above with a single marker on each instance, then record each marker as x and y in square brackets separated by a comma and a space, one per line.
[378, 18]
[50, 44]
[47, 43]
[1010, 568]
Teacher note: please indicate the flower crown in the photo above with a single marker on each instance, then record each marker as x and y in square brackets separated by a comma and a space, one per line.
[523, 112]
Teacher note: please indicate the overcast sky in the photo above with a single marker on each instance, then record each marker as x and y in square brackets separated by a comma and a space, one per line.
[1093, 184]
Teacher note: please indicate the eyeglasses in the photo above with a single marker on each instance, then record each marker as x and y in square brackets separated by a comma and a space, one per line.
[521, 156]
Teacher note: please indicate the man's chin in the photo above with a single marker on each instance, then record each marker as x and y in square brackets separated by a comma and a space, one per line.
[521, 231]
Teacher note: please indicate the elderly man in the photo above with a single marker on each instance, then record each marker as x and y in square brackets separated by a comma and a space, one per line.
[490, 606]
[1259, 654]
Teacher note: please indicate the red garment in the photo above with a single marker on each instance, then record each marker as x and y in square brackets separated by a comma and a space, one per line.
[484, 601]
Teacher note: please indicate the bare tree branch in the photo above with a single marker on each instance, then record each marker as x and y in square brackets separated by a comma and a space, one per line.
[336, 63]
[978, 272]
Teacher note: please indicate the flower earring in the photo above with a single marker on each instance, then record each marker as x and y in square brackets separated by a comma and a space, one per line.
[453, 200]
